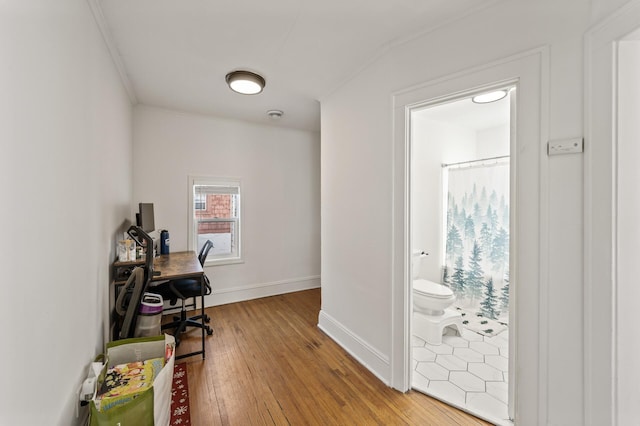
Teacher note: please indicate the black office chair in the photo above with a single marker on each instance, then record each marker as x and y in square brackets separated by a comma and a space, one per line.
[128, 304]
[185, 289]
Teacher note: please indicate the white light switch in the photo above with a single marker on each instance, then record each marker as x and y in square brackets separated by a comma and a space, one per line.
[565, 146]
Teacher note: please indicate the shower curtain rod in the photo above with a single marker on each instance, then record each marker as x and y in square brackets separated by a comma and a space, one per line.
[474, 161]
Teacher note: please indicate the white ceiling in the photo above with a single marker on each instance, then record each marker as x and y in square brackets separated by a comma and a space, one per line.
[176, 53]
[472, 116]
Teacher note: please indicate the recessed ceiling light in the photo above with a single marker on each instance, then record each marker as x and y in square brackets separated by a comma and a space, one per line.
[485, 98]
[245, 82]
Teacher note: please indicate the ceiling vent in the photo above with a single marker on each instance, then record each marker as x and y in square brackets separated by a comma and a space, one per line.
[275, 114]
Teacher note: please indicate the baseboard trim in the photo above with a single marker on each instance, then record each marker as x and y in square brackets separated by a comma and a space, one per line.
[256, 291]
[364, 353]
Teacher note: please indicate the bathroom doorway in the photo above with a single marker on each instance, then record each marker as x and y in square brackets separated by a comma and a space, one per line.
[529, 183]
[460, 222]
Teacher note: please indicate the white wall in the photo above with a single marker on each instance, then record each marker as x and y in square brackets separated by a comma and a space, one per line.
[433, 143]
[606, 127]
[280, 174]
[493, 141]
[356, 257]
[628, 292]
[66, 189]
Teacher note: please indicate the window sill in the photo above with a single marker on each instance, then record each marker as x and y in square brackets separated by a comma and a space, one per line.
[221, 262]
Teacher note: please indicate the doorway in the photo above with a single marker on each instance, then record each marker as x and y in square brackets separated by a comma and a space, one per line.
[460, 220]
[529, 177]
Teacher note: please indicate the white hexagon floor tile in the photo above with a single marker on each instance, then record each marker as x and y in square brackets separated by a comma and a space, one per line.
[497, 361]
[423, 355]
[471, 336]
[468, 354]
[467, 370]
[504, 351]
[484, 348]
[447, 391]
[432, 371]
[452, 362]
[455, 341]
[467, 381]
[498, 341]
[486, 404]
[419, 381]
[499, 390]
[416, 341]
[485, 371]
[440, 349]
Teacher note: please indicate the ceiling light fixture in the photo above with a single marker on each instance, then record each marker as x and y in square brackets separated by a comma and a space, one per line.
[486, 98]
[275, 114]
[245, 82]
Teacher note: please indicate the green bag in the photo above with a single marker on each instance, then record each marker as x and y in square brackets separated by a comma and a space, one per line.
[149, 407]
[138, 412]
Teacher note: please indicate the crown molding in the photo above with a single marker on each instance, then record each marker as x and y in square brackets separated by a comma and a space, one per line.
[113, 51]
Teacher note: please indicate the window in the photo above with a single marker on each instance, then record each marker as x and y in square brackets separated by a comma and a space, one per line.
[215, 215]
[200, 201]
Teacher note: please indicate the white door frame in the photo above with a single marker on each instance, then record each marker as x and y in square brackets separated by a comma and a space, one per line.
[601, 403]
[529, 278]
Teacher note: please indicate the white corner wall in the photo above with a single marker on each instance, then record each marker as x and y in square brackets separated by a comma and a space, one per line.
[358, 169]
[433, 143]
[66, 189]
[601, 9]
[280, 174]
[627, 347]
[611, 101]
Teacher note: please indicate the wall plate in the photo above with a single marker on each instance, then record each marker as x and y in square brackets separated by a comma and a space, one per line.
[565, 146]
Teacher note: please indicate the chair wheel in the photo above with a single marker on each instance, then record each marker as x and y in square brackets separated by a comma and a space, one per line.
[209, 331]
[207, 320]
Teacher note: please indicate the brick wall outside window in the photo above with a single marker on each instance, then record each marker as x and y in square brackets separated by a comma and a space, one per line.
[218, 206]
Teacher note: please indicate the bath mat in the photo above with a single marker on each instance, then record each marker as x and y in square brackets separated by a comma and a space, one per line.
[481, 325]
[180, 397]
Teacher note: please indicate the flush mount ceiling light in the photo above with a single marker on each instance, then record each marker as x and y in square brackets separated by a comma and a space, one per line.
[245, 82]
[486, 98]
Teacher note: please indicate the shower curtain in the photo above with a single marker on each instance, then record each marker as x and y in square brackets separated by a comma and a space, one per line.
[476, 263]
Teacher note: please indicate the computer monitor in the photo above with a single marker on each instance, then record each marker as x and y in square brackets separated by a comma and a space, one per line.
[146, 218]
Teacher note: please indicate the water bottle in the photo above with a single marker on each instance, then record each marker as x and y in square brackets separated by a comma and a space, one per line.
[164, 242]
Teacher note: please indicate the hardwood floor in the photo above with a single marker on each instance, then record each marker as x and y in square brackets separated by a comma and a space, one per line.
[268, 363]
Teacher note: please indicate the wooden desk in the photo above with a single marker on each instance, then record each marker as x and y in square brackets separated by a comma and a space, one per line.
[180, 265]
[183, 264]
[173, 266]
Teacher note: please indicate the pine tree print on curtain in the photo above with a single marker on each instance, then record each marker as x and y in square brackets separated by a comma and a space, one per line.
[477, 237]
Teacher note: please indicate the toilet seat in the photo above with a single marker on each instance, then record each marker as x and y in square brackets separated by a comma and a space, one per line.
[431, 289]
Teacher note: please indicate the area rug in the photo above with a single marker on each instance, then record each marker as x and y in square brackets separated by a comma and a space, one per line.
[480, 324]
[180, 396]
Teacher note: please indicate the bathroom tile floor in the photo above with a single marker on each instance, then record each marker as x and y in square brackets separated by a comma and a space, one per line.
[468, 371]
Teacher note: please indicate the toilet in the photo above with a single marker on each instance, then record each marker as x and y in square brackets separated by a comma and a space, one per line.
[431, 302]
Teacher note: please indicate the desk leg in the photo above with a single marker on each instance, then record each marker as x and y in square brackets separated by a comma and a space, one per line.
[202, 320]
